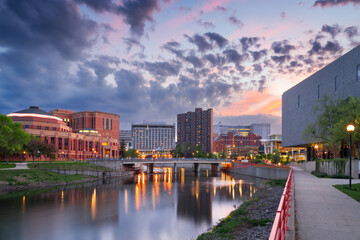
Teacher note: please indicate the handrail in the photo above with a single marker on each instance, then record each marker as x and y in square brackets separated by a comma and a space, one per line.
[279, 228]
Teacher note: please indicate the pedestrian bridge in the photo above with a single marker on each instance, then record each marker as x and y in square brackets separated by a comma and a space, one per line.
[149, 162]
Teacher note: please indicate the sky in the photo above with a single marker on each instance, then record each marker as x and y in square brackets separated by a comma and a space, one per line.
[152, 59]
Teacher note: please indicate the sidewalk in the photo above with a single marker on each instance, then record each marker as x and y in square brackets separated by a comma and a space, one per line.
[322, 211]
[18, 166]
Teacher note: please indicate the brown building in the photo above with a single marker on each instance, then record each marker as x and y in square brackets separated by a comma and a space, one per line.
[236, 144]
[196, 128]
[81, 143]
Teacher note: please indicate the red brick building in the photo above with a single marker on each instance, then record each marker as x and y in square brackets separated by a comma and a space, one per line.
[229, 140]
[196, 128]
[80, 143]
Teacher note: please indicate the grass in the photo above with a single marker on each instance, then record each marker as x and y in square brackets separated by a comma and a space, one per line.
[237, 219]
[10, 165]
[324, 175]
[69, 166]
[276, 182]
[33, 177]
[354, 192]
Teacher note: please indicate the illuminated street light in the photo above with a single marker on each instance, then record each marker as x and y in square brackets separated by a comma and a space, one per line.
[350, 128]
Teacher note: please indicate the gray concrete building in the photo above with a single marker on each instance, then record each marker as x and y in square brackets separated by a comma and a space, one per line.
[340, 79]
[126, 136]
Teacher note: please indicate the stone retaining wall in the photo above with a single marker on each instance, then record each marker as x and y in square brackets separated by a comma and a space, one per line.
[100, 174]
[262, 172]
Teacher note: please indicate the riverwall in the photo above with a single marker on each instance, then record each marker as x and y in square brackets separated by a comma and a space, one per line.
[262, 172]
[330, 167]
[100, 174]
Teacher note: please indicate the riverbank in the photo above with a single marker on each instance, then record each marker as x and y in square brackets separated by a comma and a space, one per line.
[253, 219]
[23, 179]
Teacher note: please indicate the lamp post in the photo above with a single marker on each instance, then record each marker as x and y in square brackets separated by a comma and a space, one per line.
[350, 128]
[316, 148]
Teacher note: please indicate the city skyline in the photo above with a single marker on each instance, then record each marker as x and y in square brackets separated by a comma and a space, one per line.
[154, 59]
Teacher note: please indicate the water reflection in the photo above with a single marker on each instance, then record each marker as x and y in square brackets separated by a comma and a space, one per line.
[179, 205]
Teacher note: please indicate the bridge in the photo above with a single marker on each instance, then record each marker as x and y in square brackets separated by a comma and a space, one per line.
[130, 162]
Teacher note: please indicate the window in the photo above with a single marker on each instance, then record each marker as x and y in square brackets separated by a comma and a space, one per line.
[358, 73]
[38, 127]
[60, 143]
[318, 91]
[26, 126]
[52, 139]
[54, 128]
[46, 128]
[336, 83]
[299, 100]
[66, 144]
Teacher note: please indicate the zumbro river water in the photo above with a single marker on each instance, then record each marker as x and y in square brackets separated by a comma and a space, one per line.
[163, 205]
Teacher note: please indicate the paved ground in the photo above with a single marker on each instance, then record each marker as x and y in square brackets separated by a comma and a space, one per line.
[18, 166]
[322, 211]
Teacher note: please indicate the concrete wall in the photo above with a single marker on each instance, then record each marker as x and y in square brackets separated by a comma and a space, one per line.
[294, 118]
[116, 165]
[306, 166]
[262, 172]
[99, 174]
[330, 167]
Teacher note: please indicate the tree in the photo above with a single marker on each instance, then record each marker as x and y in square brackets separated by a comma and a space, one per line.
[187, 150]
[34, 146]
[132, 153]
[122, 149]
[12, 137]
[275, 157]
[178, 151]
[198, 153]
[330, 126]
[48, 150]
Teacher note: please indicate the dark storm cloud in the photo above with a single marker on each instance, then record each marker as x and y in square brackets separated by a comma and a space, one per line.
[201, 42]
[163, 69]
[247, 42]
[331, 3]
[135, 12]
[280, 59]
[330, 46]
[236, 21]
[206, 24]
[28, 26]
[282, 47]
[332, 30]
[258, 54]
[217, 38]
[102, 66]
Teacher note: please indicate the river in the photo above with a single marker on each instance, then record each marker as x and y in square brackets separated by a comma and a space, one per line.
[163, 205]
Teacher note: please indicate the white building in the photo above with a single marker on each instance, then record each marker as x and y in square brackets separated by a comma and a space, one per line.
[261, 129]
[151, 136]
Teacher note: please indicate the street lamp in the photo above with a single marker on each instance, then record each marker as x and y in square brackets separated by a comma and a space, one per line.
[350, 128]
[316, 148]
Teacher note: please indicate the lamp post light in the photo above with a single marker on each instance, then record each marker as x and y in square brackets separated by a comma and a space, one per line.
[316, 148]
[350, 128]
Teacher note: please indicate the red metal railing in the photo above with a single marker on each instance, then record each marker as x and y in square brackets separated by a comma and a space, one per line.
[279, 227]
[244, 165]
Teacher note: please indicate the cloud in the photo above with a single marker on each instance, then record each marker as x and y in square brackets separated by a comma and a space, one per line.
[283, 15]
[332, 30]
[135, 12]
[330, 46]
[236, 21]
[233, 56]
[282, 47]
[331, 3]
[258, 54]
[194, 60]
[247, 42]
[280, 59]
[130, 42]
[163, 69]
[201, 42]
[206, 24]
[217, 38]
[220, 8]
[351, 32]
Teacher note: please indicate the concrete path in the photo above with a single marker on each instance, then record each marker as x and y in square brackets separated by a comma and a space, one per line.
[322, 211]
[18, 166]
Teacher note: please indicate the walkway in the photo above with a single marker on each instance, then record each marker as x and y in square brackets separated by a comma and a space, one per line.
[18, 166]
[322, 211]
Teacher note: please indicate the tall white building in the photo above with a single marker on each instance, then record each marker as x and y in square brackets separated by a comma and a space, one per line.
[151, 136]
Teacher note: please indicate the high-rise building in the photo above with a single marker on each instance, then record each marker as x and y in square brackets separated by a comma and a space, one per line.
[196, 128]
[126, 136]
[153, 136]
[261, 129]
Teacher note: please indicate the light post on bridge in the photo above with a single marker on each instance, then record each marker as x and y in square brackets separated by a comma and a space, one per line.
[350, 128]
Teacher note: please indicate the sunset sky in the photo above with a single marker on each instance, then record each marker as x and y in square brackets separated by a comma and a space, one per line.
[152, 59]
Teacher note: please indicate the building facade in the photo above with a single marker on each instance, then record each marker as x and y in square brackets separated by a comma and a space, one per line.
[149, 137]
[339, 80]
[261, 129]
[126, 136]
[70, 144]
[233, 144]
[196, 128]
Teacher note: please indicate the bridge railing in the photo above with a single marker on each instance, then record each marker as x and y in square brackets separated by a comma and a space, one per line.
[157, 159]
[280, 227]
